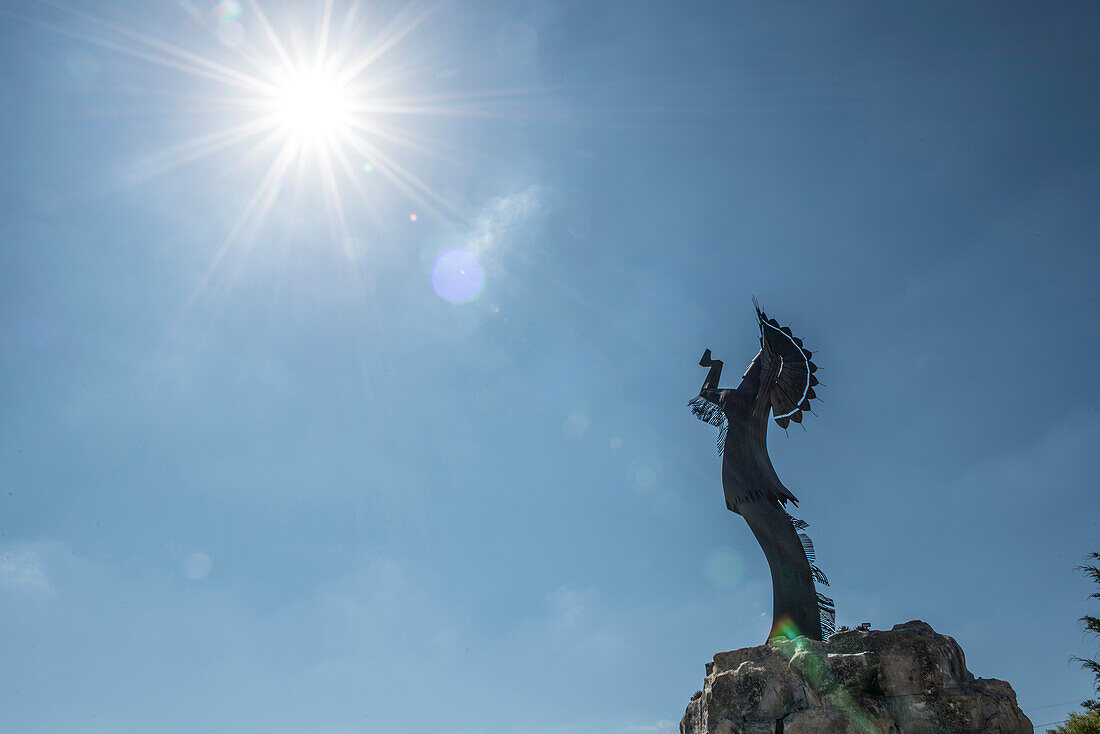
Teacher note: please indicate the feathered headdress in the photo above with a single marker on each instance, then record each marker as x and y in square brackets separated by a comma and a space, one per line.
[786, 363]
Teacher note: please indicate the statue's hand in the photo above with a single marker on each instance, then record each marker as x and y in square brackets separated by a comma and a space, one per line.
[706, 361]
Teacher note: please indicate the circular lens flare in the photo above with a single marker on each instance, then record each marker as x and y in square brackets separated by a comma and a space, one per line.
[457, 275]
[724, 568]
[197, 565]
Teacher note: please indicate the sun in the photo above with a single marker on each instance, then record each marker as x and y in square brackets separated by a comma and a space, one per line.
[312, 107]
[304, 102]
[330, 105]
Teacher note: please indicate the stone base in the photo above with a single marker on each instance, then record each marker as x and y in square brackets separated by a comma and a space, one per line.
[908, 680]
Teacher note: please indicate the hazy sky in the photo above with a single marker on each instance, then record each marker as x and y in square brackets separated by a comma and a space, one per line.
[354, 415]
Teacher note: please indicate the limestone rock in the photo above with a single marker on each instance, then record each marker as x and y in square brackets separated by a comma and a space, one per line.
[907, 680]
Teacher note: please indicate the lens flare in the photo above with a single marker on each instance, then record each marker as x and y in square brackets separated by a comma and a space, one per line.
[227, 10]
[576, 424]
[724, 568]
[457, 275]
[645, 473]
[784, 628]
[806, 657]
[197, 565]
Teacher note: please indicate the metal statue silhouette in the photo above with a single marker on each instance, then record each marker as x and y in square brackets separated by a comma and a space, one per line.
[780, 381]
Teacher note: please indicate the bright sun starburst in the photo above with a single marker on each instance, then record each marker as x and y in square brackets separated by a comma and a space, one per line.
[313, 107]
[308, 93]
[324, 94]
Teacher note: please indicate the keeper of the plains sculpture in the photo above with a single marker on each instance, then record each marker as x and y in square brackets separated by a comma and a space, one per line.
[780, 381]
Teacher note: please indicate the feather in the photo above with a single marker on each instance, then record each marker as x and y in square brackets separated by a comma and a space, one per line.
[707, 411]
[798, 524]
[807, 546]
[827, 611]
[711, 413]
[825, 607]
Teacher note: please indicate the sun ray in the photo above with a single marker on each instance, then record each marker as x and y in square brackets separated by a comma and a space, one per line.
[254, 153]
[111, 45]
[508, 93]
[272, 36]
[351, 28]
[244, 48]
[499, 104]
[395, 33]
[332, 195]
[219, 72]
[321, 56]
[406, 73]
[430, 148]
[353, 179]
[192, 150]
[408, 182]
[253, 213]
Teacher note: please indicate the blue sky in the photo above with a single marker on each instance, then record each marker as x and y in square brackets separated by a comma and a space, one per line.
[259, 475]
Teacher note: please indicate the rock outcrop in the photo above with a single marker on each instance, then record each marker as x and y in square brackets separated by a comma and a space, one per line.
[908, 680]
